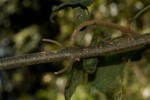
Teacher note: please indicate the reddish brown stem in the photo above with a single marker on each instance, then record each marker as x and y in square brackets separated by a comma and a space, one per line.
[123, 29]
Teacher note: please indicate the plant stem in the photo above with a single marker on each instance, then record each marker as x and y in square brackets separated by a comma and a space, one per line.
[116, 46]
[123, 29]
[139, 13]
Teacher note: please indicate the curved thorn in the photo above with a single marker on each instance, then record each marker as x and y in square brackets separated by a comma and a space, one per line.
[66, 68]
[53, 41]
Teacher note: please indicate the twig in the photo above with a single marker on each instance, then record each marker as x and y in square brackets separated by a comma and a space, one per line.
[123, 29]
[116, 46]
[139, 13]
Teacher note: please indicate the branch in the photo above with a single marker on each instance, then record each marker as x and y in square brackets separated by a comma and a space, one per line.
[116, 46]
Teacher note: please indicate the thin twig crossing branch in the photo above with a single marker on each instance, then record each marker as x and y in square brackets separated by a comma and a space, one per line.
[123, 29]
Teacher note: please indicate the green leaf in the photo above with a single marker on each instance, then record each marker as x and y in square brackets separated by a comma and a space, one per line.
[80, 15]
[89, 65]
[76, 76]
[86, 3]
[109, 68]
[105, 77]
[69, 3]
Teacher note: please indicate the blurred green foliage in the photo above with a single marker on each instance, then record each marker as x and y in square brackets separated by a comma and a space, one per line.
[23, 23]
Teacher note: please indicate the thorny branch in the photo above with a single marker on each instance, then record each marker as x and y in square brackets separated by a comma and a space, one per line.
[116, 46]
